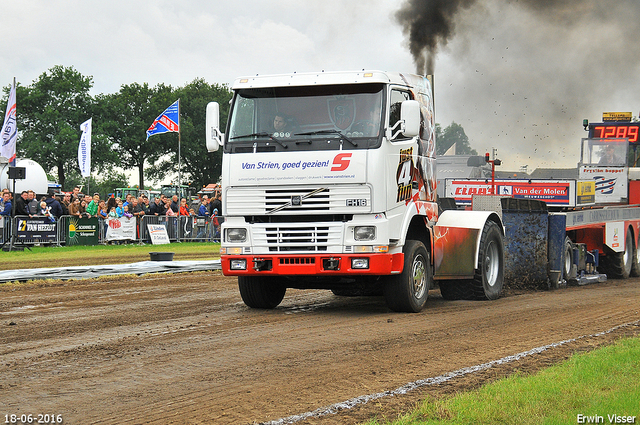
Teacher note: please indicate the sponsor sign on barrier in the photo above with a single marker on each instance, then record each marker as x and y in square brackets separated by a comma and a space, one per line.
[82, 231]
[36, 229]
[158, 234]
[119, 229]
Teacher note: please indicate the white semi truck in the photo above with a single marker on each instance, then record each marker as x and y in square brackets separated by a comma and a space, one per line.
[329, 182]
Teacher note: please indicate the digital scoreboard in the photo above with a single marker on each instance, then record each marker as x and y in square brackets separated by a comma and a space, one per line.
[615, 130]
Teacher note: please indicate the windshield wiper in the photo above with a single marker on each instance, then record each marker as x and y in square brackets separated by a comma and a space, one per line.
[262, 134]
[338, 132]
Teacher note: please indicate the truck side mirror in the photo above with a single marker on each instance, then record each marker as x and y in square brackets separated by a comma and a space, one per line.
[410, 114]
[213, 135]
[409, 123]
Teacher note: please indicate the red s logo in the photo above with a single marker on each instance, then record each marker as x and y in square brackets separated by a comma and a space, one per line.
[341, 162]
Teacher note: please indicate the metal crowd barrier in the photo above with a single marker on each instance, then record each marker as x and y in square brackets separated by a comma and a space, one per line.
[5, 229]
[179, 229]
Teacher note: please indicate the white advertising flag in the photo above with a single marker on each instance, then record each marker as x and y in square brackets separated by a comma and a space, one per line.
[9, 133]
[84, 149]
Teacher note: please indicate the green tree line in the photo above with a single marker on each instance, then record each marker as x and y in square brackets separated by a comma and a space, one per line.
[51, 109]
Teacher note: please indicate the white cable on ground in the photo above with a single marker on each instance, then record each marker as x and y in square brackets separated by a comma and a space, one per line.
[351, 403]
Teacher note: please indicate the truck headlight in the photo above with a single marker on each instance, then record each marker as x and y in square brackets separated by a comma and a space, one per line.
[364, 233]
[240, 264]
[235, 235]
[359, 263]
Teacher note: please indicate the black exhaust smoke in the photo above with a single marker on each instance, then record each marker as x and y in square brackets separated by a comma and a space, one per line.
[430, 24]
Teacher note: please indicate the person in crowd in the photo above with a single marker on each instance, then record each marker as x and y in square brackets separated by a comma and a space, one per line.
[216, 203]
[76, 193]
[53, 202]
[127, 199]
[112, 202]
[22, 204]
[125, 211]
[184, 208]
[215, 222]
[5, 204]
[158, 208]
[83, 206]
[66, 200]
[74, 208]
[5, 212]
[120, 208]
[135, 208]
[143, 204]
[33, 205]
[175, 205]
[45, 211]
[169, 211]
[103, 213]
[203, 210]
[92, 205]
[113, 213]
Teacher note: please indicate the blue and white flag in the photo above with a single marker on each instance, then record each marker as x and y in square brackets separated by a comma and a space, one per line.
[9, 132]
[84, 149]
[167, 122]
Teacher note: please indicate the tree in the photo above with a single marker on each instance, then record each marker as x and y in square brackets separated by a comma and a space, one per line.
[50, 112]
[453, 134]
[130, 112]
[199, 167]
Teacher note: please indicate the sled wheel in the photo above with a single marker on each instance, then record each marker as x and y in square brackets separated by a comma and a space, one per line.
[618, 265]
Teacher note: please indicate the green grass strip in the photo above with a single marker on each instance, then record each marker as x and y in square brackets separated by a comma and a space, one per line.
[598, 387]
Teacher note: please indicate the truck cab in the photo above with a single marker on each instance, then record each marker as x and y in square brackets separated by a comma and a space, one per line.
[329, 182]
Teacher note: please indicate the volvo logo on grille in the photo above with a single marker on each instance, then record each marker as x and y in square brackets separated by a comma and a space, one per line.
[296, 200]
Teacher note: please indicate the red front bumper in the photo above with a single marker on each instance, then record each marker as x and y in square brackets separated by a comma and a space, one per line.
[317, 264]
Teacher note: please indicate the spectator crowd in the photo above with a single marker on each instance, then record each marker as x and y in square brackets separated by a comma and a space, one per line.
[77, 204]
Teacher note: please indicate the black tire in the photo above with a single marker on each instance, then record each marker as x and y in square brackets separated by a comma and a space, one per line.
[408, 291]
[568, 269]
[635, 260]
[454, 289]
[618, 265]
[489, 276]
[261, 292]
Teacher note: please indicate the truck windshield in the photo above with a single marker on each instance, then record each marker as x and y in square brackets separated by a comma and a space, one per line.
[306, 118]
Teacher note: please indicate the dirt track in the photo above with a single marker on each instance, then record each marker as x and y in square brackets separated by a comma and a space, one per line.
[184, 348]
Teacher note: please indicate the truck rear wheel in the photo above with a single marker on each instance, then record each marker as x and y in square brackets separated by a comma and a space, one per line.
[635, 264]
[454, 289]
[260, 291]
[408, 291]
[489, 276]
[618, 264]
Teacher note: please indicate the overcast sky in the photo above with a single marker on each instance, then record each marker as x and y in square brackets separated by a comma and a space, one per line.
[517, 77]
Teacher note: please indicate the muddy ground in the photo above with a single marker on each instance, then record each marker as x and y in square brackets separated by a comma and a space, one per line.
[183, 348]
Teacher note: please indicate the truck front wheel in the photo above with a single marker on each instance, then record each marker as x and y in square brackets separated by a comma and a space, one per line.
[489, 276]
[408, 290]
[260, 291]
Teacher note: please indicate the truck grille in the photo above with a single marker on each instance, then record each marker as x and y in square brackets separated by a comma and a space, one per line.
[258, 201]
[301, 237]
